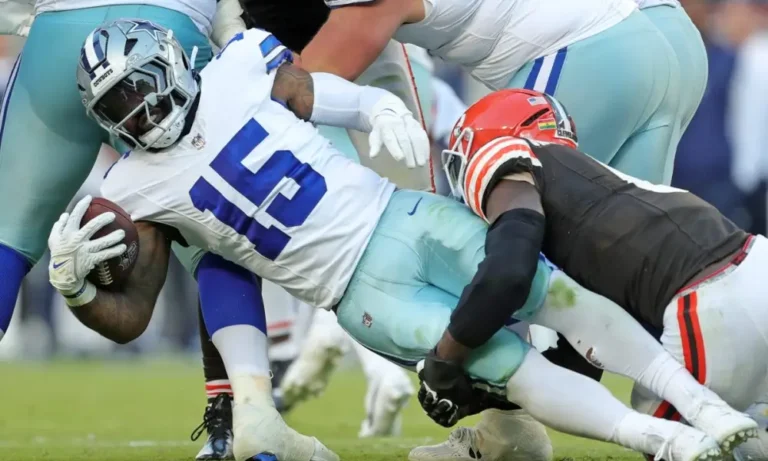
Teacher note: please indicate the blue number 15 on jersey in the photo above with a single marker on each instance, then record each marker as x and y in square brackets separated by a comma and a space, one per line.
[256, 187]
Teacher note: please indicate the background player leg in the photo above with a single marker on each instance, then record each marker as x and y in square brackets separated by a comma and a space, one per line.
[389, 390]
[238, 329]
[320, 347]
[642, 83]
[686, 41]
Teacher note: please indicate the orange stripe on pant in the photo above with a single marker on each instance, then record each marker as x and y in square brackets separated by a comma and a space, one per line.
[693, 348]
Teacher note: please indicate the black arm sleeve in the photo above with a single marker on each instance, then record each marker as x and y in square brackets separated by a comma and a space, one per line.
[503, 280]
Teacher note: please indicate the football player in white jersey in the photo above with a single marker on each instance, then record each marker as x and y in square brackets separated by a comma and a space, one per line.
[41, 114]
[566, 49]
[48, 146]
[249, 179]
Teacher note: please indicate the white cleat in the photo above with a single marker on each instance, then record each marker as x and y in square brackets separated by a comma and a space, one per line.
[384, 402]
[755, 449]
[308, 376]
[262, 435]
[500, 436]
[727, 426]
[689, 444]
[460, 446]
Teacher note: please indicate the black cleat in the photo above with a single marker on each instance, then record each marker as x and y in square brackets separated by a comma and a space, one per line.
[217, 421]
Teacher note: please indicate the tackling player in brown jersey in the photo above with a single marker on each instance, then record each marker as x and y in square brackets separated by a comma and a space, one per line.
[664, 255]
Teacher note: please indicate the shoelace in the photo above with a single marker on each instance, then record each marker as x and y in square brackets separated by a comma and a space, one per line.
[665, 451]
[213, 422]
[462, 434]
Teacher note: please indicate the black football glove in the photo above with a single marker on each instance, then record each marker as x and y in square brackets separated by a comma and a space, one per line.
[445, 392]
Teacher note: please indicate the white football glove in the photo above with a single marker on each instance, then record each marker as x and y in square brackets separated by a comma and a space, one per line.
[74, 254]
[395, 128]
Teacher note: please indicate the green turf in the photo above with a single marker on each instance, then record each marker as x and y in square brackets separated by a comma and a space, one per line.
[68, 411]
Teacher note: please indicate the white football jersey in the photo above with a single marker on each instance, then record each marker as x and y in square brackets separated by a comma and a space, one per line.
[255, 184]
[493, 39]
[199, 11]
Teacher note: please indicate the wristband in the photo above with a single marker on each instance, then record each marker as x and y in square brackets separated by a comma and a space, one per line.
[81, 297]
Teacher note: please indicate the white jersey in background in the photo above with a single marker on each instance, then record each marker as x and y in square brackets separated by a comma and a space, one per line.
[16, 17]
[255, 184]
[492, 39]
[643, 4]
[199, 11]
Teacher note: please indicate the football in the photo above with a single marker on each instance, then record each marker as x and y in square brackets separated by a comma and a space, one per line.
[113, 273]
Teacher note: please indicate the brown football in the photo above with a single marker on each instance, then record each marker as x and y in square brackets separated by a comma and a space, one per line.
[113, 273]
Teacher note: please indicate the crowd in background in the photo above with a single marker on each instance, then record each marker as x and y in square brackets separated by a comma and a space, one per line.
[723, 158]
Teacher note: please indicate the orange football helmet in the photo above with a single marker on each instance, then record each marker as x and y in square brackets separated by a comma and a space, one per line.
[514, 112]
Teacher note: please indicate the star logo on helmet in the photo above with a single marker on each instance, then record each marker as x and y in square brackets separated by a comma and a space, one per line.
[146, 26]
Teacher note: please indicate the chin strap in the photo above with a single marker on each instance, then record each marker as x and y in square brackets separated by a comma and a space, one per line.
[193, 57]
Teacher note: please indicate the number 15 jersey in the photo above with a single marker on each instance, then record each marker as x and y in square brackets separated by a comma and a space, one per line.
[255, 184]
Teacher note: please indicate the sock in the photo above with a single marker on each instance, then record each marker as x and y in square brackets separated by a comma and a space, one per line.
[13, 268]
[217, 386]
[644, 433]
[213, 366]
[564, 400]
[244, 350]
[668, 379]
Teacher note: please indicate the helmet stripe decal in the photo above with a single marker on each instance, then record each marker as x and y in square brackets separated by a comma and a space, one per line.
[97, 45]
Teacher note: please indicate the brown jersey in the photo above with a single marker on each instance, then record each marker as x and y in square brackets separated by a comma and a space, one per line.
[631, 241]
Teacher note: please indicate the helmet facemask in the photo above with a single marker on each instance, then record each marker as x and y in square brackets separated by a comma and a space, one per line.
[146, 104]
[455, 159]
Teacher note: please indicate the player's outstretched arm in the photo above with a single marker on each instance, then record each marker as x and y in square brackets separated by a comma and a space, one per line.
[330, 100]
[503, 280]
[355, 34]
[120, 316]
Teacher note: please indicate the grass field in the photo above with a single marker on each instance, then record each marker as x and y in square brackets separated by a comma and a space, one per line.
[144, 411]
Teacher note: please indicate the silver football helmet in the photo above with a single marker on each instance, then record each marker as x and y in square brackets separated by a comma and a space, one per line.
[136, 82]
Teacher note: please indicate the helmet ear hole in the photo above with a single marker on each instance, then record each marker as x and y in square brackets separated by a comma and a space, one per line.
[529, 121]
